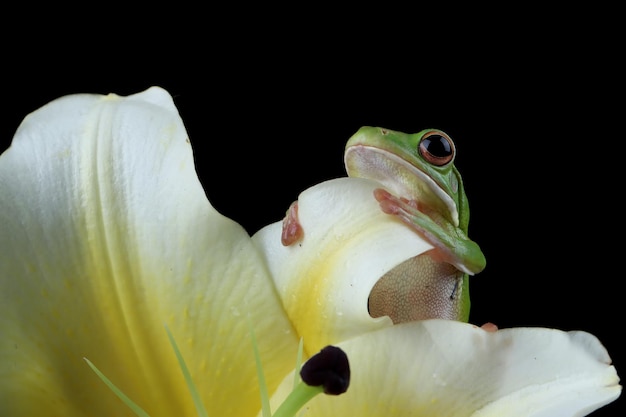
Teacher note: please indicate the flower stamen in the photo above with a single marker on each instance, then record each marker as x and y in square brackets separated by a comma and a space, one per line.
[327, 371]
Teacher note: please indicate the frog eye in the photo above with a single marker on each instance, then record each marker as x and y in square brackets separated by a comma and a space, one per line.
[436, 148]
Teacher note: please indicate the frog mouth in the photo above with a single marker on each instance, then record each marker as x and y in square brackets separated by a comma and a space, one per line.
[401, 178]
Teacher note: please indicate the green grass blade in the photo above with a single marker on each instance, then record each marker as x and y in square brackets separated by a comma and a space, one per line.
[296, 376]
[265, 399]
[134, 407]
[190, 385]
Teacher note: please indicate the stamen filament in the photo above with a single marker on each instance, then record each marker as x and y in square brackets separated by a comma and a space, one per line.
[300, 395]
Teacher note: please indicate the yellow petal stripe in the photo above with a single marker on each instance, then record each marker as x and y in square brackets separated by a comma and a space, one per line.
[325, 280]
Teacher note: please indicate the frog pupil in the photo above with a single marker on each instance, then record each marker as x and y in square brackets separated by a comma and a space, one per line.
[437, 146]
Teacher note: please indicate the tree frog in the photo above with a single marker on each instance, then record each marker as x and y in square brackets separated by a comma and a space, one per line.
[423, 188]
[428, 192]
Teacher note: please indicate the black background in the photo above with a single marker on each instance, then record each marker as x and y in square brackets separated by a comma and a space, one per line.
[535, 121]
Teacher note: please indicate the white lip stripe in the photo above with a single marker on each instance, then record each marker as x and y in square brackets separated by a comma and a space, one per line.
[434, 187]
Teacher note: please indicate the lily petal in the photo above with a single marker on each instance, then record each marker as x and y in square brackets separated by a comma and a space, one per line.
[448, 368]
[355, 267]
[325, 280]
[106, 236]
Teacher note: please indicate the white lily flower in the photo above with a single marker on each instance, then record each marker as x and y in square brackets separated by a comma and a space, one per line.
[106, 236]
[423, 368]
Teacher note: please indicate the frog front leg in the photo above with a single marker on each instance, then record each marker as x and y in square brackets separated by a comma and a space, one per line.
[451, 244]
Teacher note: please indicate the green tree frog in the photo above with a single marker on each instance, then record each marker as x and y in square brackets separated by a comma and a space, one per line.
[428, 192]
[422, 187]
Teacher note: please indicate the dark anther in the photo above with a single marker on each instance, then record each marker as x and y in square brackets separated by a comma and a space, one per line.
[329, 368]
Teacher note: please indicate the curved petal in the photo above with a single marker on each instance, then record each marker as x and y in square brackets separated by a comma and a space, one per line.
[448, 368]
[106, 236]
[356, 269]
